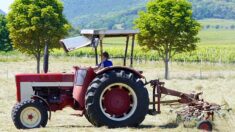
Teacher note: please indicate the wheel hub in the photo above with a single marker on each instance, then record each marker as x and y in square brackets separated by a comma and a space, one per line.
[117, 101]
[204, 127]
[30, 117]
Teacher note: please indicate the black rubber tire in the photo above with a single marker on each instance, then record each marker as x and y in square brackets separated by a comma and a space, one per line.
[205, 122]
[19, 107]
[88, 118]
[96, 116]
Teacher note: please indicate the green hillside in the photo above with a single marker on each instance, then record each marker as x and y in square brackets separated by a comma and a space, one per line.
[222, 9]
[114, 14]
[101, 13]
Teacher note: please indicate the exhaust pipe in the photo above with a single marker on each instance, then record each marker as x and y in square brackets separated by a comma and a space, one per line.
[46, 59]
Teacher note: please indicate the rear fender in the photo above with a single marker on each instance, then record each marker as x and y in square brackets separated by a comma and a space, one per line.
[136, 73]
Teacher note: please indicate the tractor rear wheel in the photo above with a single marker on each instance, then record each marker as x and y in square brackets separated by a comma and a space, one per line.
[87, 117]
[117, 99]
[29, 114]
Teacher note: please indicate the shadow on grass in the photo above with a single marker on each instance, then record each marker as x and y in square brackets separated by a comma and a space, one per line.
[169, 125]
[70, 126]
[144, 126]
[90, 126]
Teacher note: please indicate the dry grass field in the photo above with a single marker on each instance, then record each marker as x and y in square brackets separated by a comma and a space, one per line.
[217, 81]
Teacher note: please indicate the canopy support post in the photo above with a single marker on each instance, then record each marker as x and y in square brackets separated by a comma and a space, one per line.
[96, 56]
[127, 43]
[101, 49]
[132, 49]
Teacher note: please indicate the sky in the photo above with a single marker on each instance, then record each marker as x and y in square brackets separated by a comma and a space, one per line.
[4, 5]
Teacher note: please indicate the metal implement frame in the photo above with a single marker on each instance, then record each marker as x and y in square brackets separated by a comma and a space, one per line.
[195, 107]
[159, 89]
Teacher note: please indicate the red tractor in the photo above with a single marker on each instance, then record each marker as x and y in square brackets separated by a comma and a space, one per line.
[114, 96]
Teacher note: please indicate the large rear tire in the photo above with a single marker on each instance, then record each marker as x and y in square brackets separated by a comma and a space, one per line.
[117, 99]
[29, 114]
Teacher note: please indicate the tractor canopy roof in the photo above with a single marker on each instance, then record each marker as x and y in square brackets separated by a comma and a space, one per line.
[94, 38]
[108, 33]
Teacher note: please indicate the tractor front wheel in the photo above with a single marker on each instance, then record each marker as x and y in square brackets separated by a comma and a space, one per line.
[117, 99]
[29, 114]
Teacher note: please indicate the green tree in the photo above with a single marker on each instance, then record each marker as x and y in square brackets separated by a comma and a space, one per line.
[5, 43]
[168, 27]
[36, 23]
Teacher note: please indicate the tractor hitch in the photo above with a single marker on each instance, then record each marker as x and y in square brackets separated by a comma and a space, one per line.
[159, 89]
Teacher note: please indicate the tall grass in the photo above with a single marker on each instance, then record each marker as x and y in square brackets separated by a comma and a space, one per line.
[221, 54]
[209, 54]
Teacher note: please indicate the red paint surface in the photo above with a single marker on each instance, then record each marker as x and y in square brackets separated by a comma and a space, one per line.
[204, 127]
[30, 117]
[50, 77]
[79, 92]
[65, 101]
[116, 101]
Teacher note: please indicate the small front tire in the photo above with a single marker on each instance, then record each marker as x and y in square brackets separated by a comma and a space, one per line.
[29, 114]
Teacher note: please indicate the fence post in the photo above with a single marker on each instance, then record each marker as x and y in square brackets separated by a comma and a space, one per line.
[7, 66]
[200, 66]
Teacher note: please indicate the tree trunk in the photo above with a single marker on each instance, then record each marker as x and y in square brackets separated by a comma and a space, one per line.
[166, 61]
[166, 68]
[38, 56]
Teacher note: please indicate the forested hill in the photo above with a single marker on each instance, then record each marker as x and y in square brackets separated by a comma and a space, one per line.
[102, 13]
[120, 13]
[223, 9]
[2, 12]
